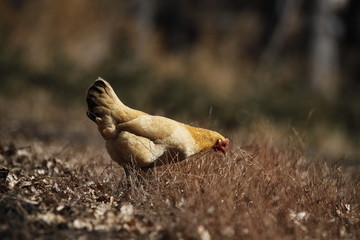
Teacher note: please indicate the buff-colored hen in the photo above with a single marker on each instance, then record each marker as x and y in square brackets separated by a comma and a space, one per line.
[136, 137]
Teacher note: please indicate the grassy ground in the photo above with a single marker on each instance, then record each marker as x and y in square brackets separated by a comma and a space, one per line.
[57, 181]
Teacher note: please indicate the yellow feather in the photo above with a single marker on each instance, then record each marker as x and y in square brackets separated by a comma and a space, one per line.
[204, 138]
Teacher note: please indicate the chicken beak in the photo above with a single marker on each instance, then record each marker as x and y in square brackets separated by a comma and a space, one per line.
[223, 152]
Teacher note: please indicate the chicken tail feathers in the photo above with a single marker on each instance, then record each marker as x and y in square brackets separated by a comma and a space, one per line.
[106, 109]
[102, 103]
[100, 94]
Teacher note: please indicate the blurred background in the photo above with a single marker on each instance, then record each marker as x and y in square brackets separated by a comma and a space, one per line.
[238, 66]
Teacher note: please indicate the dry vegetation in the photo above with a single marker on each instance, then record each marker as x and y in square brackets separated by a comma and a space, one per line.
[50, 189]
[57, 181]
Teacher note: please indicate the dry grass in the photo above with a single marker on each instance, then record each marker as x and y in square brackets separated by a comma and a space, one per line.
[272, 195]
[57, 181]
[260, 193]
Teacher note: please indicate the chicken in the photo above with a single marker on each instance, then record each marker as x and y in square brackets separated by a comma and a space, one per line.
[136, 137]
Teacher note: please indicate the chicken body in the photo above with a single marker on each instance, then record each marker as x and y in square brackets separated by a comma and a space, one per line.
[135, 136]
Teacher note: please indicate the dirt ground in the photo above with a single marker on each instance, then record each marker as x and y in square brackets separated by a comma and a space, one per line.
[57, 181]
